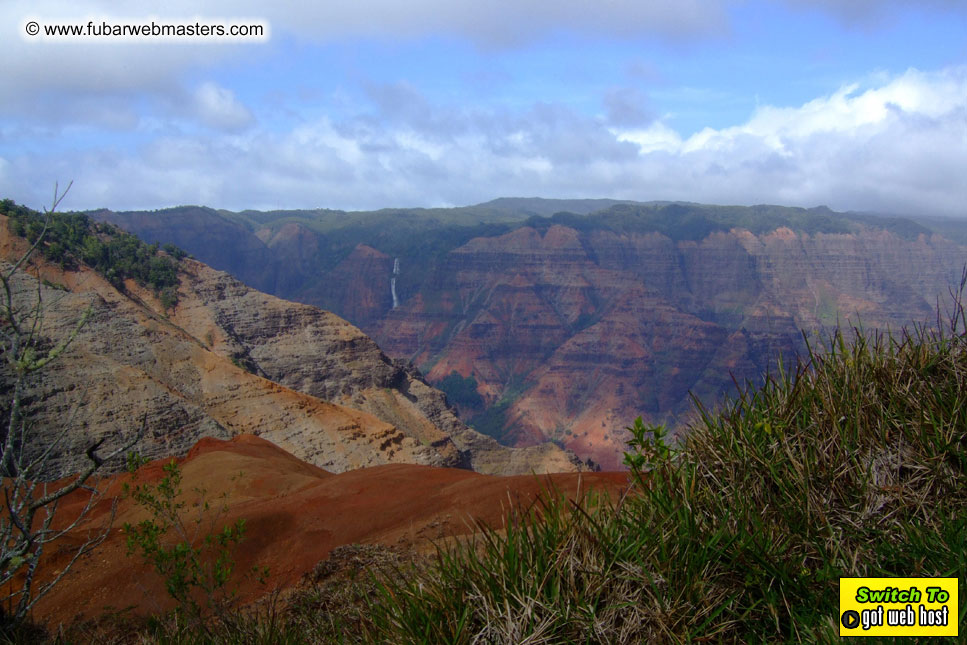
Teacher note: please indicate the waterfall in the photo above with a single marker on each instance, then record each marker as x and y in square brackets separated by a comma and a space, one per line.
[392, 282]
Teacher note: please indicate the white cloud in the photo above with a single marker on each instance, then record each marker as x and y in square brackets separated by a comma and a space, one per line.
[52, 79]
[657, 137]
[899, 146]
[846, 114]
[218, 108]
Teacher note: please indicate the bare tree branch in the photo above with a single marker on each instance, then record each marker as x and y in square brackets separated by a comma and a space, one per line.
[28, 514]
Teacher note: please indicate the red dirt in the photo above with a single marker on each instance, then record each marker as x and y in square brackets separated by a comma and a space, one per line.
[295, 515]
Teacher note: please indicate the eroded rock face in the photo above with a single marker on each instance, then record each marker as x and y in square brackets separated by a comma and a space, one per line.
[585, 331]
[317, 353]
[229, 360]
[361, 282]
[572, 331]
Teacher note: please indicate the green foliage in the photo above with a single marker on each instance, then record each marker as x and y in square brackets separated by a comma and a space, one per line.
[531, 583]
[73, 237]
[906, 228]
[174, 251]
[168, 298]
[242, 360]
[461, 391]
[493, 420]
[647, 447]
[190, 553]
[685, 221]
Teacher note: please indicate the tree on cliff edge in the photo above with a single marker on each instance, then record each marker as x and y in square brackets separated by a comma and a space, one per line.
[29, 504]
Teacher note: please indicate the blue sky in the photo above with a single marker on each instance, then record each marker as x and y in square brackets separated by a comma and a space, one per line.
[856, 104]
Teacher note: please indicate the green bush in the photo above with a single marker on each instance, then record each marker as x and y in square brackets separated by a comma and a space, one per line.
[168, 298]
[186, 547]
[118, 256]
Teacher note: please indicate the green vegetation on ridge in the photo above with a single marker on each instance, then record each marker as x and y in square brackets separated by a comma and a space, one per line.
[421, 238]
[430, 233]
[681, 221]
[73, 237]
[677, 220]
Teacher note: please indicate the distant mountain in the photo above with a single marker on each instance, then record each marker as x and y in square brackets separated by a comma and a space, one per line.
[523, 207]
[225, 359]
[570, 324]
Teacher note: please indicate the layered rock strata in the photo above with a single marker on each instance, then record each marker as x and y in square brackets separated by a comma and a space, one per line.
[228, 360]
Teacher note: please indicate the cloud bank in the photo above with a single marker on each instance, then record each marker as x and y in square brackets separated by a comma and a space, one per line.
[899, 146]
[147, 126]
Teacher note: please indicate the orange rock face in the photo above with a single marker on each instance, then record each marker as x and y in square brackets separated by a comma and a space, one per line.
[573, 335]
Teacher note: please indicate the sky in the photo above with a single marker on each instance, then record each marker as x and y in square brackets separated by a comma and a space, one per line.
[852, 104]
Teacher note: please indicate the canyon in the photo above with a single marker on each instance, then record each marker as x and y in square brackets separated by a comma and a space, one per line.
[548, 333]
[229, 360]
[568, 319]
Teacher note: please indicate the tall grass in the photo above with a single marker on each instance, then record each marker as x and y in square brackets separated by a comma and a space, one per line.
[852, 464]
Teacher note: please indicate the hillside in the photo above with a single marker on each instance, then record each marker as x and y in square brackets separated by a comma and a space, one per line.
[223, 360]
[792, 486]
[295, 514]
[568, 325]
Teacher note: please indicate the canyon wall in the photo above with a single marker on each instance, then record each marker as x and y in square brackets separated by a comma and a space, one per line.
[571, 326]
[228, 360]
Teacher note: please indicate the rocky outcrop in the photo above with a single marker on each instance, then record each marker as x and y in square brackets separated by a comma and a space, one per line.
[361, 282]
[317, 353]
[228, 360]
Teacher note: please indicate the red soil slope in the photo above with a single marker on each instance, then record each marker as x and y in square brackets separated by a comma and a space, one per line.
[295, 513]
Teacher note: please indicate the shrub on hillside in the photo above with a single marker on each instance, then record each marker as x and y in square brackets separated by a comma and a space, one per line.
[73, 237]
